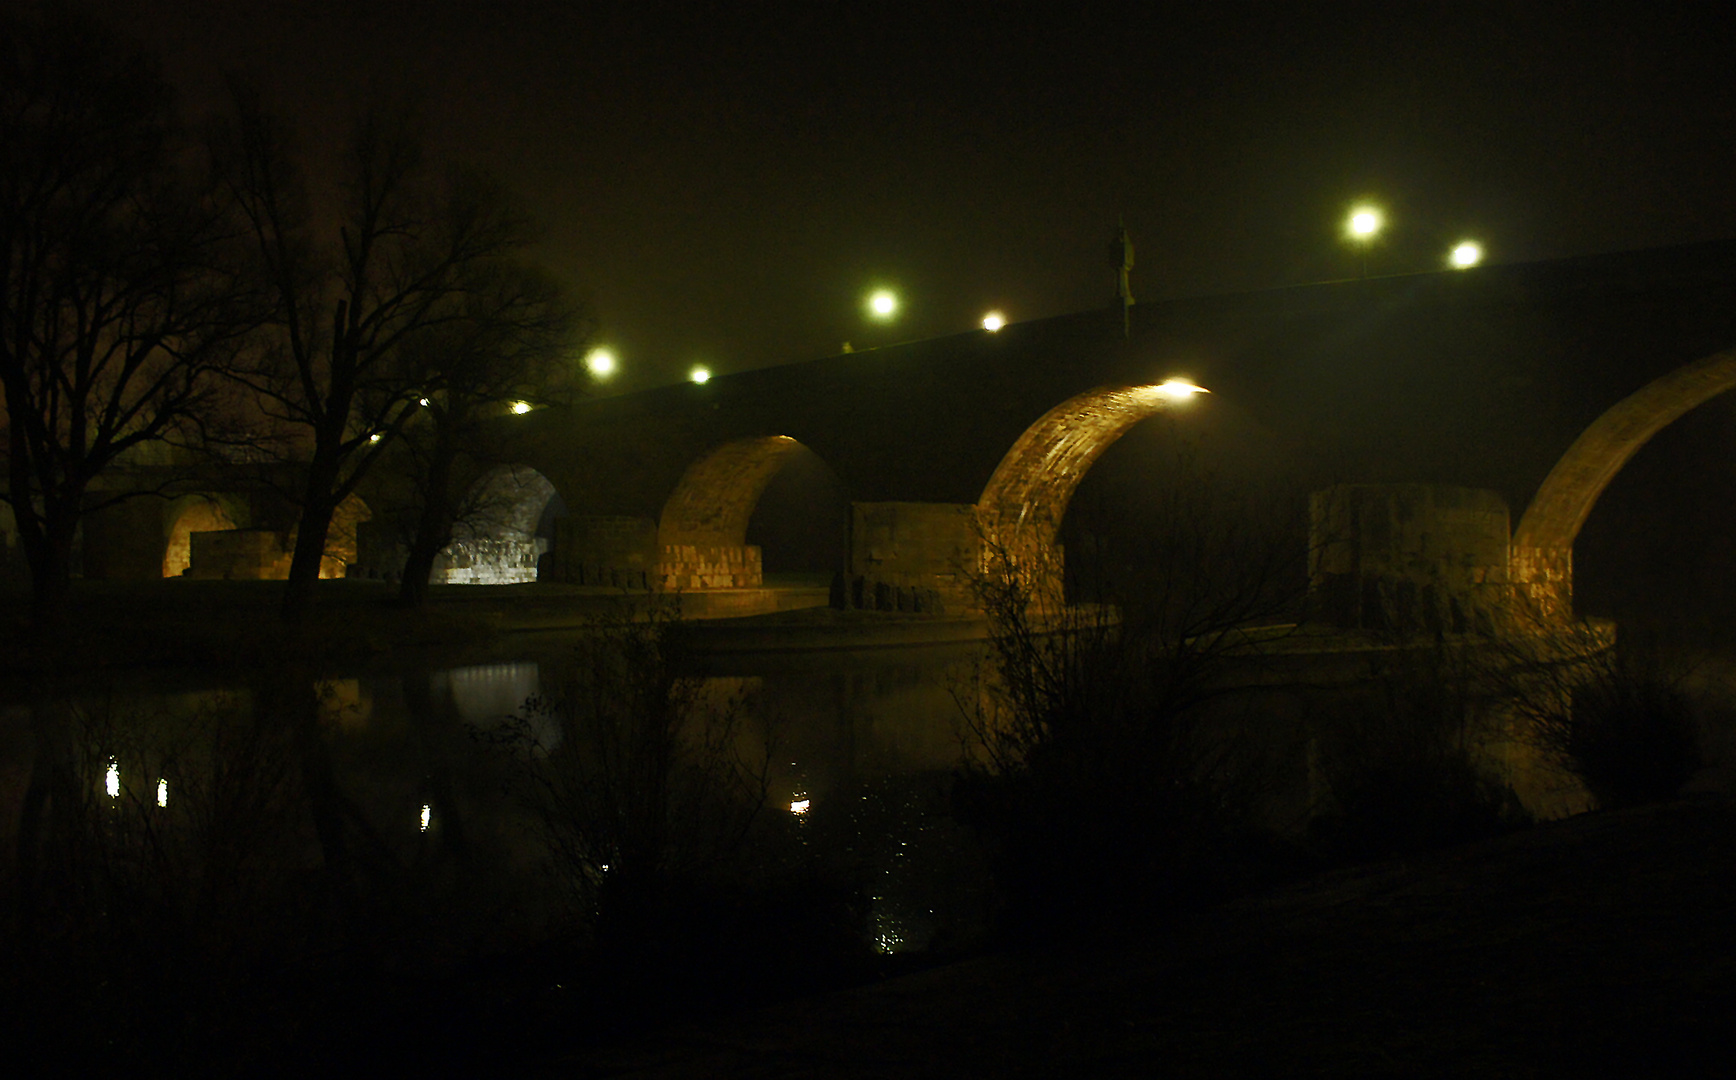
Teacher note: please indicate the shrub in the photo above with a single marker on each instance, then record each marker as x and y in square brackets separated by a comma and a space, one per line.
[1105, 781]
[1629, 734]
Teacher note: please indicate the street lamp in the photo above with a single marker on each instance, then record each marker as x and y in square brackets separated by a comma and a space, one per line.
[883, 304]
[600, 363]
[993, 321]
[519, 408]
[700, 374]
[1363, 225]
[1466, 254]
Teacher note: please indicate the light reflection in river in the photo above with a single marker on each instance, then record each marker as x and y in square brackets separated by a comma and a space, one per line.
[485, 696]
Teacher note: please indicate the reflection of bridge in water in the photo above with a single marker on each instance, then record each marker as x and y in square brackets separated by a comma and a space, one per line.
[1476, 380]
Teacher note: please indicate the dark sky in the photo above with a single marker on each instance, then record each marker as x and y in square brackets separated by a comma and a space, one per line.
[727, 185]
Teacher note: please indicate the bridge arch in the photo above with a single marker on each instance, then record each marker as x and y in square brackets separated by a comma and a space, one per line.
[1542, 548]
[704, 529]
[1022, 506]
[505, 526]
[187, 515]
[714, 499]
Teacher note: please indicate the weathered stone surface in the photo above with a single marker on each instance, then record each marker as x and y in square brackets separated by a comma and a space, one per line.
[1405, 558]
[241, 555]
[587, 547]
[693, 566]
[917, 545]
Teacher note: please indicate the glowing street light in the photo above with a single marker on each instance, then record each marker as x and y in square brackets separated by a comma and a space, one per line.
[427, 816]
[600, 363]
[700, 374]
[1364, 223]
[111, 779]
[883, 304]
[1466, 254]
[993, 321]
[800, 805]
[1180, 389]
[162, 792]
[519, 408]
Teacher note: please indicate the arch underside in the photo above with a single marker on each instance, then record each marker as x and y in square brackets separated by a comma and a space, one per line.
[1542, 550]
[1022, 506]
[496, 542]
[715, 498]
[201, 513]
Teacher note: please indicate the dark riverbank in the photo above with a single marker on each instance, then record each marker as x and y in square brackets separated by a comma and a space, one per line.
[1604, 945]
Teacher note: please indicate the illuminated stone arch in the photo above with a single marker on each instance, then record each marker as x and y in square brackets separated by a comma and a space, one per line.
[715, 497]
[1022, 506]
[500, 536]
[702, 533]
[1542, 550]
[186, 516]
[340, 545]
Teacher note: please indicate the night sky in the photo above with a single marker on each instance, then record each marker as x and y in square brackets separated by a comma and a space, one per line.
[726, 187]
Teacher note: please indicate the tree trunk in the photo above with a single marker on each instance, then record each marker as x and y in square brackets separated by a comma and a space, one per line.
[48, 815]
[433, 528]
[318, 506]
[49, 552]
[51, 578]
[287, 696]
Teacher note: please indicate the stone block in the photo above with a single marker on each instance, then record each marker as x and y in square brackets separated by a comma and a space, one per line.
[240, 555]
[1407, 558]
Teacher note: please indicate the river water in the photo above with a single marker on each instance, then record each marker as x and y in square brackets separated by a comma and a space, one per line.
[858, 748]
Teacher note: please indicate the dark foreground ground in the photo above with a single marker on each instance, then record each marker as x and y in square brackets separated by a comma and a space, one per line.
[1600, 946]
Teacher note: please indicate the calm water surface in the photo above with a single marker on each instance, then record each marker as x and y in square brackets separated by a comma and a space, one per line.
[860, 747]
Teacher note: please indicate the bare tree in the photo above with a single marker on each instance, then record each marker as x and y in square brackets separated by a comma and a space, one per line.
[338, 367]
[117, 311]
[511, 345]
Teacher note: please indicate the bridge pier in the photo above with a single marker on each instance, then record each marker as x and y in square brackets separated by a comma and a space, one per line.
[1403, 559]
[914, 549]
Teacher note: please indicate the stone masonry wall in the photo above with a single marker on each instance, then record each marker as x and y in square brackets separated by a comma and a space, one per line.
[913, 549]
[692, 566]
[616, 551]
[1404, 558]
[240, 555]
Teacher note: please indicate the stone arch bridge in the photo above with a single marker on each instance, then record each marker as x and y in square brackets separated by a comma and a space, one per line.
[1481, 380]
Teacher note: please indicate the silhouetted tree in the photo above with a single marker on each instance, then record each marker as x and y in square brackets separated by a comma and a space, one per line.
[117, 311]
[405, 247]
[513, 344]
